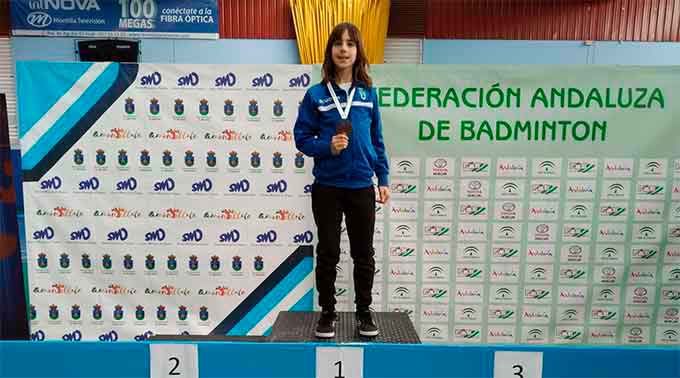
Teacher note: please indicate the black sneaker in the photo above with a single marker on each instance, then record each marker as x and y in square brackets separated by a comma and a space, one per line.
[325, 328]
[366, 325]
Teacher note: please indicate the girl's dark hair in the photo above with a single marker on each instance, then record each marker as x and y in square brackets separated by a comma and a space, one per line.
[360, 68]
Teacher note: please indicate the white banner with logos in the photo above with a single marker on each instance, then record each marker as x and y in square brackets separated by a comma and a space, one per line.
[163, 199]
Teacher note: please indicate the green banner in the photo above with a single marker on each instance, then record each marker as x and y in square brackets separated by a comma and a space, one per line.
[605, 111]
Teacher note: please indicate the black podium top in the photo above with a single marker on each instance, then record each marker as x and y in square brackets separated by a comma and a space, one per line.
[395, 327]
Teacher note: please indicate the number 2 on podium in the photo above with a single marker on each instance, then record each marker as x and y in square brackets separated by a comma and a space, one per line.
[174, 360]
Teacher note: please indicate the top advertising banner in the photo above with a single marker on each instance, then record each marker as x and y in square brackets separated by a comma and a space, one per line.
[111, 19]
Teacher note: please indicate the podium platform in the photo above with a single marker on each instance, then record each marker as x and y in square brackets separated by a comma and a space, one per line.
[30, 359]
[291, 326]
[395, 328]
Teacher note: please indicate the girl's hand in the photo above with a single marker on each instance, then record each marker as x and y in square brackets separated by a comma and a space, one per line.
[339, 143]
[384, 194]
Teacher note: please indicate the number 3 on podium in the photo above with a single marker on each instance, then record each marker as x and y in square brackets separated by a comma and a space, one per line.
[518, 365]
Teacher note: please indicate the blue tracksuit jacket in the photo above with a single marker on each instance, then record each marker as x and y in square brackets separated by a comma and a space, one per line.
[365, 155]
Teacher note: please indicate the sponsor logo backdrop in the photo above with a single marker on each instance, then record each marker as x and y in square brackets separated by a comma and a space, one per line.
[162, 198]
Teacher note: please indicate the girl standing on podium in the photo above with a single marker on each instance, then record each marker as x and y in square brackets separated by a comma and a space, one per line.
[339, 126]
